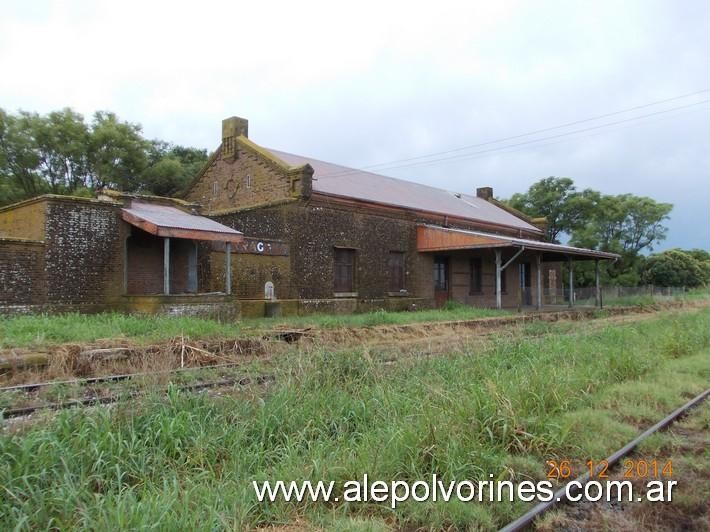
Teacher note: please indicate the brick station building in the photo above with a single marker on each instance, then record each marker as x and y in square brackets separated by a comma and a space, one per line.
[258, 224]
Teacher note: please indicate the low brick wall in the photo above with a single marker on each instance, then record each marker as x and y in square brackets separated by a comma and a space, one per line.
[220, 307]
[22, 277]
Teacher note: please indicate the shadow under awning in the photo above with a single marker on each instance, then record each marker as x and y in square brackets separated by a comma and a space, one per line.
[171, 222]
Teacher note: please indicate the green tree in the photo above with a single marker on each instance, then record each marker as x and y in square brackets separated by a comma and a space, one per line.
[676, 267]
[171, 168]
[557, 199]
[61, 153]
[61, 141]
[625, 224]
[117, 153]
[19, 160]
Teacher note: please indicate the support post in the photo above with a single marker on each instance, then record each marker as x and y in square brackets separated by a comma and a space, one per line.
[166, 266]
[571, 282]
[499, 302]
[538, 263]
[228, 268]
[597, 286]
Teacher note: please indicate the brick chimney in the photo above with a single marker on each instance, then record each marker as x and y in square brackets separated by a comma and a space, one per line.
[232, 127]
[485, 193]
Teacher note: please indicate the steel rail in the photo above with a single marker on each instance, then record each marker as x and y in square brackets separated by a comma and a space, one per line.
[110, 378]
[88, 401]
[561, 495]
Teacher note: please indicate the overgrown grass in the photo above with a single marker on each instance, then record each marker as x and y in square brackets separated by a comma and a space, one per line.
[40, 330]
[49, 329]
[451, 311]
[186, 461]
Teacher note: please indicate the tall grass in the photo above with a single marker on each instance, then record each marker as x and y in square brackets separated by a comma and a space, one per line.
[451, 311]
[186, 461]
[45, 329]
[73, 327]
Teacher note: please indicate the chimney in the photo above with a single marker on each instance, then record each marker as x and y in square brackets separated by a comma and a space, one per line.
[232, 127]
[485, 193]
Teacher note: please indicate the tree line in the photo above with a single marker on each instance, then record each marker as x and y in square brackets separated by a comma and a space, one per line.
[625, 224]
[62, 152]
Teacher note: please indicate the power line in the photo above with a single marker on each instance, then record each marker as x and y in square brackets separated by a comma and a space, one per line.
[527, 142]
[558, 141]
[393, 164]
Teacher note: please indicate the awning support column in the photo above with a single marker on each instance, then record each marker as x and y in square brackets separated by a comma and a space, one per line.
[538, 261]
[571, 282]
[499, 303]
[228, 268]
[598, 290]
[166, 266]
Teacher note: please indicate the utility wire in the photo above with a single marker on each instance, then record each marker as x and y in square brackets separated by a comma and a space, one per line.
[393, 164]
[595, 134]
[527, 142]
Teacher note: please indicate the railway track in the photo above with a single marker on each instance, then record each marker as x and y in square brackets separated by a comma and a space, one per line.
[560, 496]
[105, 400]
[436, 344]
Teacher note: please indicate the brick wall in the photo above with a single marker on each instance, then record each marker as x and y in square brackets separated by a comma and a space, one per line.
[22, 279]
[312, 232]
[247, 180]
[84, 251]
[145, 263]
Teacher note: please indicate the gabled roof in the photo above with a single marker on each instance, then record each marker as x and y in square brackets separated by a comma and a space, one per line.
[335, 180]
[167, 221]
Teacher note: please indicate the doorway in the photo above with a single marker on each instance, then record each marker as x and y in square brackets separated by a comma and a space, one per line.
[441, 280]
[525, 283]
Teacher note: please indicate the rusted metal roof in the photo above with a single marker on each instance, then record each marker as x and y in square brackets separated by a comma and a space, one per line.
[167, 221]
[336, 180]
[432, 238]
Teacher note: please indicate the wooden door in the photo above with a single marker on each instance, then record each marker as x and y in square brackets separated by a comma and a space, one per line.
[441, 281]
[526, 283]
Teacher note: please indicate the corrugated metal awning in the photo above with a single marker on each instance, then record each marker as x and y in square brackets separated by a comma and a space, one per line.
[432, 238]
[167, 221]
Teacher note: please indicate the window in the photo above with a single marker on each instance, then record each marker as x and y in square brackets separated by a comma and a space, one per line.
[344, 268]
[397, 272]
[215, 188]
[248, 180]
[476, 276]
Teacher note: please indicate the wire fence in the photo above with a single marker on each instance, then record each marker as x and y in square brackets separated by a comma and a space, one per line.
[610, 295]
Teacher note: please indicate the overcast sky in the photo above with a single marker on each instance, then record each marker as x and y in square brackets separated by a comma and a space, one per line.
[362, 83]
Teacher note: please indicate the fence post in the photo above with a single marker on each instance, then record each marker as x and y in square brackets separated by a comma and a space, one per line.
[597, 291]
